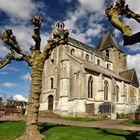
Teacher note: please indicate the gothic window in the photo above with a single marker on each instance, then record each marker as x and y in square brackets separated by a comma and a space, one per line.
[52, 82]
[124, 95]
[98, 62]
[72, 52]
[117, 93]
[105, 90]
[87, 57]
[90, 87]
[133, 96]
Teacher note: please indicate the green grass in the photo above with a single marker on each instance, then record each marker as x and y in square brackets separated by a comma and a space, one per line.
[80, 119]
[11, 130]
[86, 119]
[130, 122]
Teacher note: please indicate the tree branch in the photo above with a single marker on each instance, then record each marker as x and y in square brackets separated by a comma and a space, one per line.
[37, 21]
[11, 56]
[9, 38]
[113, 12]
[57, 40]
[120, 9]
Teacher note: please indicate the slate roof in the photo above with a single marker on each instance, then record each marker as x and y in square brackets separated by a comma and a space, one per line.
[105, 71]
[99, 69]
[131, 76]
[107, 41]
[85, 47]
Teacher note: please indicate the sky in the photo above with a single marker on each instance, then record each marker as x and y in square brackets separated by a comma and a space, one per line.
[85, 20]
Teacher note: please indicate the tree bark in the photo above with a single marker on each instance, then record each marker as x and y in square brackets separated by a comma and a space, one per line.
[31, 132]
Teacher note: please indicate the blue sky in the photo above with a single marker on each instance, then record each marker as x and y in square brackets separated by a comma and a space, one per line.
[85, 20]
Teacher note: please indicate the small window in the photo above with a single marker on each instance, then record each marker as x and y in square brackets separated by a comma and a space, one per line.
[72, 52]
[51, 80]
[107, 53]
[52, 61]
[106, 90]
[98, 62]
[87, 57]
[108, 66]
[117, 93]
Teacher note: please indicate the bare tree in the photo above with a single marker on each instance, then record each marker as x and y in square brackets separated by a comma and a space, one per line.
[35, 60]
[113, 13]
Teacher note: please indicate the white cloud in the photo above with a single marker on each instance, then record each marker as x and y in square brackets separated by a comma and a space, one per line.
[26, 77]
[87, 9]
[3, 50]
[133, 63]
[18, 8]
[19, 97]
[8, 85]
[92, 5]
[134, 6]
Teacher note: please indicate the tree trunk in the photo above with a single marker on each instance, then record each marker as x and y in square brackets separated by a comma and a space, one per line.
[31, 132]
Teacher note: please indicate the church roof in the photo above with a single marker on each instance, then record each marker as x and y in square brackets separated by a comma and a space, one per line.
[99, 69]
[107, 41]
[131, 76]
[105, 71]
[85, 47]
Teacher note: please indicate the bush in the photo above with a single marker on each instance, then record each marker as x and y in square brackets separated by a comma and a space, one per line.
[121, 116]
[136, 121]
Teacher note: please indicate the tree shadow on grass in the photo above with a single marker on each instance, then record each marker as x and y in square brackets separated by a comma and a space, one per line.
[133, 135]
[44, 127]
[2, 122]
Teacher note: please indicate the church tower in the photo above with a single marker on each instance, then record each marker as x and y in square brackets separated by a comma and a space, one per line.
[64, 71]
[109, 46]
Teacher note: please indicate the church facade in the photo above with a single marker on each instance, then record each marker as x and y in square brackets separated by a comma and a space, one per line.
[79, 80]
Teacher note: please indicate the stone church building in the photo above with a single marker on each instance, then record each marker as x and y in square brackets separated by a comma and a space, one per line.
[79, 80]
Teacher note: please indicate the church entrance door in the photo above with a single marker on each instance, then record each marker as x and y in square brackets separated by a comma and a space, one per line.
[50, 102]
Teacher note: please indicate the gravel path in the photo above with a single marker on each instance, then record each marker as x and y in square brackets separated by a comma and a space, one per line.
[115, 124]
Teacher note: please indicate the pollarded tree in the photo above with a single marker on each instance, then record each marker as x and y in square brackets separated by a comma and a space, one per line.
[120, 9]
[35, 60]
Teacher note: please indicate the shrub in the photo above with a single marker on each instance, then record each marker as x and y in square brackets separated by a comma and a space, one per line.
[136, 121]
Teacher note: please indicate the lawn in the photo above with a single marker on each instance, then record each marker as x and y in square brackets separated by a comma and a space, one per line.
[11, 130]
[131, 122]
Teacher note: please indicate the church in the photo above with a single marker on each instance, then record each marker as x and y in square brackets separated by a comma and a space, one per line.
[79, 80]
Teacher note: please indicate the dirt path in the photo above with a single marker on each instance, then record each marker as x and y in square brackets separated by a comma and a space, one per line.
[115, 124]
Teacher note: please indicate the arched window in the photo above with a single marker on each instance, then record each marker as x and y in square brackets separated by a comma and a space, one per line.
[52, 61]
[50, 102]
[107, 53]
[98, 62]
[124, 95]
[72, 52]
[51, 83]
[105, 90]
[87, 57]
[117, 93]
[90, 87]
